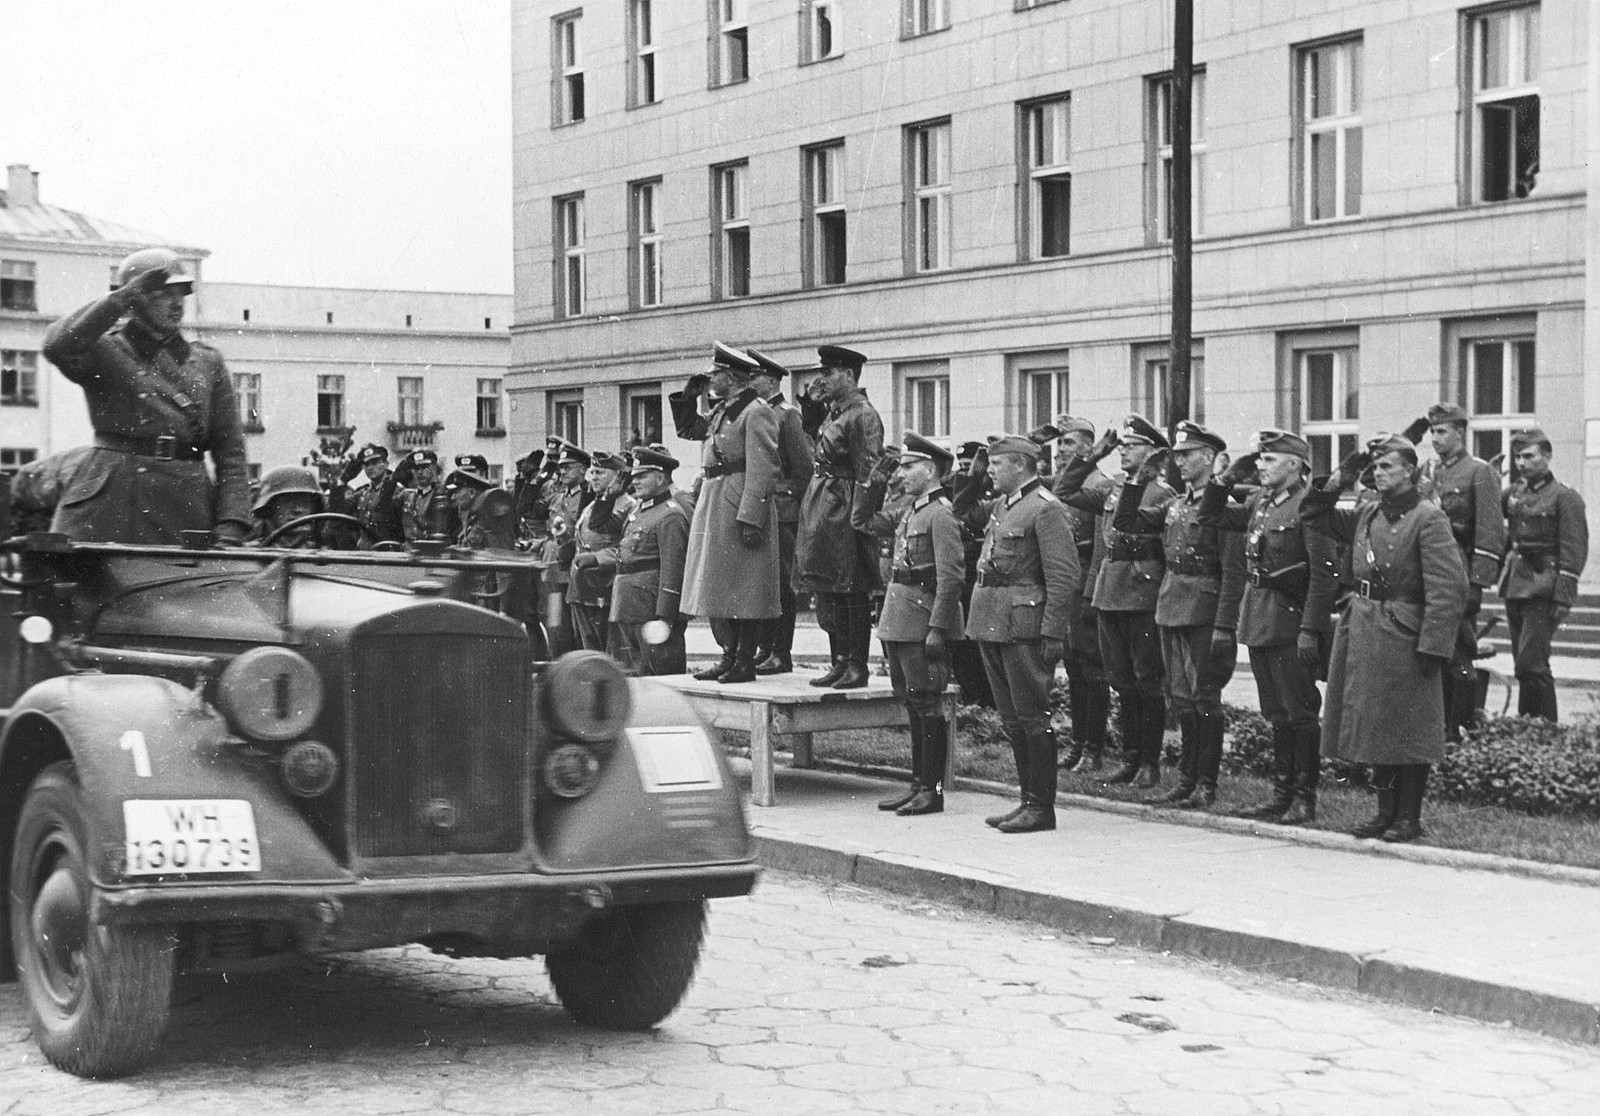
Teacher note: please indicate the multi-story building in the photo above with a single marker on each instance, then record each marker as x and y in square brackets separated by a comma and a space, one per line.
[1389, 210]
[402, 368]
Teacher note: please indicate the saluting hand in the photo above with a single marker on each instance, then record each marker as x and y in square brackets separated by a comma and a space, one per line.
[1104, 445]
[1240, 470]
[1151, 467]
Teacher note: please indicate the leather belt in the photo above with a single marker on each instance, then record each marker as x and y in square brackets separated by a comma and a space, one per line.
[1133, 551]
[1377, 591]
[927, 578]
[1193, 569]
[827, 473]
[996, 581]
[638, 565]
[722, 469]
[164, 447]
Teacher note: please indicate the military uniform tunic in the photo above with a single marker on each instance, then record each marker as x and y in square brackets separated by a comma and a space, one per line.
[1549, 548]
[157, 405]
[599, 527]
[427, 512]
[1467, 490]
[648, 563]
[831, 556]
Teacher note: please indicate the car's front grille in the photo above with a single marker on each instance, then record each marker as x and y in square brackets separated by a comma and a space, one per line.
[438, 736]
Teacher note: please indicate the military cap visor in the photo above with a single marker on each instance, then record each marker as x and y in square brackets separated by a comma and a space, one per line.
[1283, 441]
[572, 455]
[837, 356]
[419, 458]
[1446, 412]
[600, 459]
[766, 366]
[1193, 436]
[1137, 429]
[648, 460]
[1017, 444]
[970, 449]
[1391, 443]
[465, 478]
[724, 356]
[369, 454]
[476, 462]
[918, 448]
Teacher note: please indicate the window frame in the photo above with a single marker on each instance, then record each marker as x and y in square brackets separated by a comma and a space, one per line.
[570, 255]
[649, 395]
[1490, 431]
[730, 224]
[494, 398]
[923, 17]
[644, 77]
[1348, 53]
[410, 390]
[1032, 175]
[728, 22]
[813, 242]
[1478, 96]
[326, 390]
[921, 196]
[1158, 155]
[1151, 365]
[912, 378]
[15, 458]
[566, 68]
[1337, 436]
[22, 367]
[810, 30]
[19, 286]
[564, 415]
[247, 390]
[644, 245]
[1054, 370]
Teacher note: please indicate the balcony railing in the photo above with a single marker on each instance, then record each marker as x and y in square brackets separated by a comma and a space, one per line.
[414, 435]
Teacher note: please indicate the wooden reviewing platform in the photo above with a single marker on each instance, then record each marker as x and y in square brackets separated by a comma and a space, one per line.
[788, 706]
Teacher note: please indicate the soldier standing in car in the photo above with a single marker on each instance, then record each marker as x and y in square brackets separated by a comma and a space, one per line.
[1089, 694]
[1467, 488]
[1549, 548]
[832, 559]
[425, 510]
[599, 527]
[1196, 610]
[158, 403]
[795, 462]
[921, 607]
[1285, 613]
[648, 566]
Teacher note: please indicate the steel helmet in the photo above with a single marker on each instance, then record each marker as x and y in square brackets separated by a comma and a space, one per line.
[153, 259]
[286, 479]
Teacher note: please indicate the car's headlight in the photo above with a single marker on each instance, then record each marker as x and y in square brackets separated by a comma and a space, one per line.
[270, 693]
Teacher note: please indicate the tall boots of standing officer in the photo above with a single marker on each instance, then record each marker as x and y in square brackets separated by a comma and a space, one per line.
[1307, 770]
[746, 637]
[1130, 726]
[1038, 810]
[722, 630]
[928, 778]
[1188, 762]
[1386, 781]
[856, 612]
[1283, 770]
[830, 618]
[1412, 784]
[918, 744]
[1089, 703]
[1019, 756]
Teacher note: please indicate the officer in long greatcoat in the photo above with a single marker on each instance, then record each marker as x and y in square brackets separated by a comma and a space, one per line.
[1549, 548]
[648, 566]
[1088, 692]
[731, 571]
[1197, 608]
[1467, 489]
[1285, 613]
[159, 403]
[833, 559]
[921, 615]
[1021, 608]
[1397, 634]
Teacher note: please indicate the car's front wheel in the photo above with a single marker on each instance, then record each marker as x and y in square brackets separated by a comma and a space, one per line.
[98, 996]
[630, 968]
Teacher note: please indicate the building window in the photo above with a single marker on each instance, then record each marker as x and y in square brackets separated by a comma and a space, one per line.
[1159, 179]
[12, 459]
[928, 181]
[1504, 141]
[1152, 371]
[730, 43]
[16, 285]
[1498, 384]
[643, 408]
[1330, 130]
[1045, 389]
[823, 232]
[1046, 178]
[642, 89]
[566, 96]
[819, 24]
[927, 398]
[410, 398]
[920, 17]
[489, 407]
[644, 242]
[571, 272]
[566, 416]
[330, 402]
[1327, 402]
[730, 264]
[247, 389]
[19, 378]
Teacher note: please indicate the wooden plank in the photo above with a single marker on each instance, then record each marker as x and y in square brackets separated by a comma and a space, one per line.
[832, 718]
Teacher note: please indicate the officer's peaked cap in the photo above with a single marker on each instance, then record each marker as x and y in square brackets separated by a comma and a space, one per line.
[422, 457]
[837, 356]
[602, 459]
[918, 448]
[1191, 435]
[1137, 429]
[644, 460]
[766, 366]
[734, 360]
[373, 452]
[572, 455]
[474, 461]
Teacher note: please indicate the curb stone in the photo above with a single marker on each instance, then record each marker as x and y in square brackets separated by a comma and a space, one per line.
[1372, 975]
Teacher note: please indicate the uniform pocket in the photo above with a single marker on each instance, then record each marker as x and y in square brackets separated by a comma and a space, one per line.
[87, 483]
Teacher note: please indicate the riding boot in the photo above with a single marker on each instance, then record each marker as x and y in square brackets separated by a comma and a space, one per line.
[1093, 729]
[1039, 799]
[1386, 781]
[929, 798]
[778, 644]
[1152, 737]
[1282, 778]
[1413, 783]
[836, 655]
[1208, 759]
[1019, 756]
[856, 613]
[746, 634]
[715, 671]
[1307, 770]
[1129, 721]
[918, 743]
[1188, 763]
[1077, 698]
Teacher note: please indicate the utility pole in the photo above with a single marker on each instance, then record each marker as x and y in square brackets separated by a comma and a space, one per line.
[1178, 371]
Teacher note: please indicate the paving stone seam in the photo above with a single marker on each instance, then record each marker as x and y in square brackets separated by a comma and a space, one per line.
[1370, 974]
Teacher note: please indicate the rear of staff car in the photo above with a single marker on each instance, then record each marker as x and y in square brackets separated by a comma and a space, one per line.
[222, 759]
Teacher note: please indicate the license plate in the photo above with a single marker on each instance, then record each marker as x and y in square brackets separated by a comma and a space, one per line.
[673, 759]
[189, 836]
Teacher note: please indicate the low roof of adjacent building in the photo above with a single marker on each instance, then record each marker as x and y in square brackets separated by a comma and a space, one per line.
[24, 217]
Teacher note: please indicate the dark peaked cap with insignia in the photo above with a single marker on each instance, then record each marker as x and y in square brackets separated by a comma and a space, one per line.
[1191, 435]
[1136, 428]
[602, 459]
[766, 366]
[646, 460]
[734, 360]
[837, 356]
[572, 455]
[918, 448]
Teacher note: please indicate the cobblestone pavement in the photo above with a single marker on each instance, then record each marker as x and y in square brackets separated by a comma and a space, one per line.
[817, 998]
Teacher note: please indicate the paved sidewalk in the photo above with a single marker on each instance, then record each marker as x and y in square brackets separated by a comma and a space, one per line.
[1492, 945]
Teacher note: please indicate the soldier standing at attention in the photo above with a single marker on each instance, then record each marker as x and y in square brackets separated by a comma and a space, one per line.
[1285, 613]
[598, 527]
[425, 510]
[731, 569]
[1398, 631]
[158, 403]
[1020, 612]
[377, 505]
[921, 615]
[1549, 547]
[1088, 692]
[832, 559]
[1468, 490]
[1197, 609]
[966, 658]
[1125, 590]
[648, 568]
[775, 655]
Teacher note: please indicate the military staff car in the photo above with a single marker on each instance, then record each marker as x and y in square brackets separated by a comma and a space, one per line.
[222, 759]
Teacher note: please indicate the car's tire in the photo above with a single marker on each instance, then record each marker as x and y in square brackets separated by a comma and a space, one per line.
[630, 968]
[98, 996]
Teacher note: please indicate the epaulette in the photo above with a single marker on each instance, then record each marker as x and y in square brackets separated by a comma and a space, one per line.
[1045, 494]
[945, 500]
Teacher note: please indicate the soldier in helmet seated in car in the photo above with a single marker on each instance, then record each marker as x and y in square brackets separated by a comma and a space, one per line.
[288, 493]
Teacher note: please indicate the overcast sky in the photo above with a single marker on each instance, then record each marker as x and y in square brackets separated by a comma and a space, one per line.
[357, 143]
